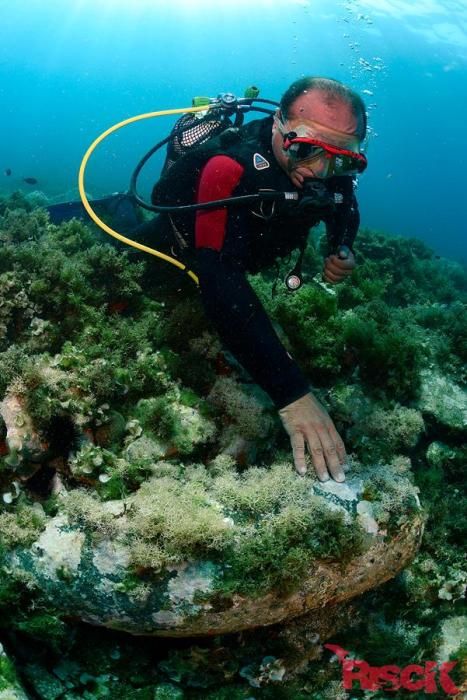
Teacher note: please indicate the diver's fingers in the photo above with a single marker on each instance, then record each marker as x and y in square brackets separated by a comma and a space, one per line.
[298, 175]
[338, 265]
[297, 180]
[330, 277]
[317, 454]
[339, 443]
[338, 271]
[332, 273]
[298, 449]
[340, 448]
[331, 456]
[304, 172]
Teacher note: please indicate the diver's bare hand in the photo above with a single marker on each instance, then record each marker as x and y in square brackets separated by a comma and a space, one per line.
[299, 174]
[308, 423]
[338, 267]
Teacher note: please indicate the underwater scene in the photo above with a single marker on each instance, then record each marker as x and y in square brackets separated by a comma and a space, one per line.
[233, 346]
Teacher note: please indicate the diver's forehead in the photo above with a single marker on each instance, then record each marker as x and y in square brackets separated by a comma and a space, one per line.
[314, 105]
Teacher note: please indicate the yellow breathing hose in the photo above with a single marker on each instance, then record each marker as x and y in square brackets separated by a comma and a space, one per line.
[92, 213]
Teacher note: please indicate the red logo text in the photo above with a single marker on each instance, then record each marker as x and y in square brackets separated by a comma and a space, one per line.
[391, 677]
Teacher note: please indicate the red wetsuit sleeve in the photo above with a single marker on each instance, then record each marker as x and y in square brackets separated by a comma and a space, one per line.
[219, 178]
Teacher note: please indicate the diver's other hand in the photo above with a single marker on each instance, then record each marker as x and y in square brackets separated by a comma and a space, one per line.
[338, 267]
[299, 174]
[308, 423]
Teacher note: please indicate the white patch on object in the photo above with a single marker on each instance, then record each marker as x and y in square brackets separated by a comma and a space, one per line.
[114, 507]
[454, 633]
[365, 517]
[58, 548]
[110, 556]
[330, 505]
[345, 491]
[166, 618]
[183, 587]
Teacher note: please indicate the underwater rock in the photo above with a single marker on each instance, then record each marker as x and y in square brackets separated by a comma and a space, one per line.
[120, 378]
[10, 686]
[378, 433]
[451, 459]
[145, 447]
[178, 427]
[141, 566]
[452, 646]
[241, 450]
[444, 401]
[20, 431]
[453, 635]
[23, 442]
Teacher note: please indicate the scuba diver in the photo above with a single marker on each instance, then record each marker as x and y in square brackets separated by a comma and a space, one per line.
[232, 198]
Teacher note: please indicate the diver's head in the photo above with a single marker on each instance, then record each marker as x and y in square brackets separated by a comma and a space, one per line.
[318, 130]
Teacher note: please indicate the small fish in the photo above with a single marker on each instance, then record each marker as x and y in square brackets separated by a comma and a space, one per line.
[30, 180]
[7, 172]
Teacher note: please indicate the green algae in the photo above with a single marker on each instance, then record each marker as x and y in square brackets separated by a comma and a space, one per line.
[177, 419]
[8, 675]
[75, 356]
[21, 526]
[383, 323]
[266, 537]
[279, 553]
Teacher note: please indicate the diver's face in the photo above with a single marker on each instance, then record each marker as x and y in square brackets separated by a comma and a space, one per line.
[336, 123]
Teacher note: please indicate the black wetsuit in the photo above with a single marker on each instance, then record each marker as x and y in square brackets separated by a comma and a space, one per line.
[225, 244]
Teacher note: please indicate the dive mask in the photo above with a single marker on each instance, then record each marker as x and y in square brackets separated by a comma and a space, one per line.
[325, 151]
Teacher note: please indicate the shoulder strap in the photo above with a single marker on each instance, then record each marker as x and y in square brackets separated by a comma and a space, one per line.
[177, 185]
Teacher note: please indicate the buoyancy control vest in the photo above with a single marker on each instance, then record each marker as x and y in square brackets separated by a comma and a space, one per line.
[274, 228]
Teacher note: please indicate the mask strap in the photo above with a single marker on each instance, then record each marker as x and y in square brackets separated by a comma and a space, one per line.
[280, 125]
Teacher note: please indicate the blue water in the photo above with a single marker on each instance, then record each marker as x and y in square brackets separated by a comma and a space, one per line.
[69, 69]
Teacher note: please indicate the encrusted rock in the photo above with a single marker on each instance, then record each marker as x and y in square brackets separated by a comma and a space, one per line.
[22, 439]
[93, 546]
[444, 401]
[452, 459]
[453, 635]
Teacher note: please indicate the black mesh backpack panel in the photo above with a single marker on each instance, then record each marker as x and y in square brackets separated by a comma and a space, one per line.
[191, 131]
